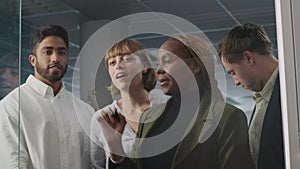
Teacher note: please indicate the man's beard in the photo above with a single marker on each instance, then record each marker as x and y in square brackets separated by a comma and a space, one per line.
[51, 77]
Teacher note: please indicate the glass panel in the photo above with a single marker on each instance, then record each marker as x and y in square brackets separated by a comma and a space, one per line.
[9, 68]
[42, 12]
[9, 42]
[289, 49]
[82, 19]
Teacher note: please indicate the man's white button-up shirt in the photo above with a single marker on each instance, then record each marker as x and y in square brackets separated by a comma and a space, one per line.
[41, 131]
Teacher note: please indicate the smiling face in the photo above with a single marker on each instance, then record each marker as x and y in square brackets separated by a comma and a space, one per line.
[51, 60]
[126, 71]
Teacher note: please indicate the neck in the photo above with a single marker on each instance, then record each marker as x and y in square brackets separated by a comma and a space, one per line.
[268, 69]
[191, 92]
[55, 85]
[136, 99]
[133, 105]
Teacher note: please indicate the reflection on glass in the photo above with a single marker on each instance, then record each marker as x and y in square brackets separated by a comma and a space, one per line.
[9, 58]
[9, 73]
[9, 55]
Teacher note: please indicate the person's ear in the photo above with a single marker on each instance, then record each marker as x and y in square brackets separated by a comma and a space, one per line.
[145, 68]
[32, 60]
[144, 71]
[195, 68]
[249, 57]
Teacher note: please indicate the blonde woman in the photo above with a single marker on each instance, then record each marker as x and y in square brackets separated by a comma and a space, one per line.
[133, 77]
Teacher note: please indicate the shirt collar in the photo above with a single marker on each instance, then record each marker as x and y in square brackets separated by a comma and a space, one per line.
[268, 88]
[42, 88]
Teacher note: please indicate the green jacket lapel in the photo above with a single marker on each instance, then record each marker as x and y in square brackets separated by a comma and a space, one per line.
[148, 119]
[191, 138]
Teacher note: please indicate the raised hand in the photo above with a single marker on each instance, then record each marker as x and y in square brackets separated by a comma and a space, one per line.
[112, 126]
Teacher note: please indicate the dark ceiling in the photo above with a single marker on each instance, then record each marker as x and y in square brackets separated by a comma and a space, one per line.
[215, 17]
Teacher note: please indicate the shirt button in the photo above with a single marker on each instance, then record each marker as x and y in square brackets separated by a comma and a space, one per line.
[256, 95]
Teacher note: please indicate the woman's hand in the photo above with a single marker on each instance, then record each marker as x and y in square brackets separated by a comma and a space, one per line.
[112, 126]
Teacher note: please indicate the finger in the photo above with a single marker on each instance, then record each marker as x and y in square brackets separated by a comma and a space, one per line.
[122, 119]
[113, 110]
[114, 113]
[105, 116]
[100, 118]
[111, 118]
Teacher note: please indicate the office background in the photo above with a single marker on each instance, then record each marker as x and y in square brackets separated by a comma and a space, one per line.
[82, 18]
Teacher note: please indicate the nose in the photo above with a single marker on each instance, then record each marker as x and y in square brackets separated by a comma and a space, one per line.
[119, 64]
[236, 81]
[160, 70]
[55, 57]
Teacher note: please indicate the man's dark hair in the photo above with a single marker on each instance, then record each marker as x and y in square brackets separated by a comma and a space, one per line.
[250, 36]
[48, 30]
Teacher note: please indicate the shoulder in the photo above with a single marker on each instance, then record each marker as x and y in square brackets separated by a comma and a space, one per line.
[275, 97]
[78, 103]
[10, 103]
[233, 117]
[231, 111]
[154, 112]
[13, 95]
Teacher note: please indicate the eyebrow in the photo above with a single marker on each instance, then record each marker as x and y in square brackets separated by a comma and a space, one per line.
[51, 47]
[121, 54]
[126, 53]
[163, 53]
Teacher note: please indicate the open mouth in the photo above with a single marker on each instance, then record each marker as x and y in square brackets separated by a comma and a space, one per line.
[164, 82]
[121, 75]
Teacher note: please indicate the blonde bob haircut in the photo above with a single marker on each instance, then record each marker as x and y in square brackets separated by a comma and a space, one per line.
[130, 46]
